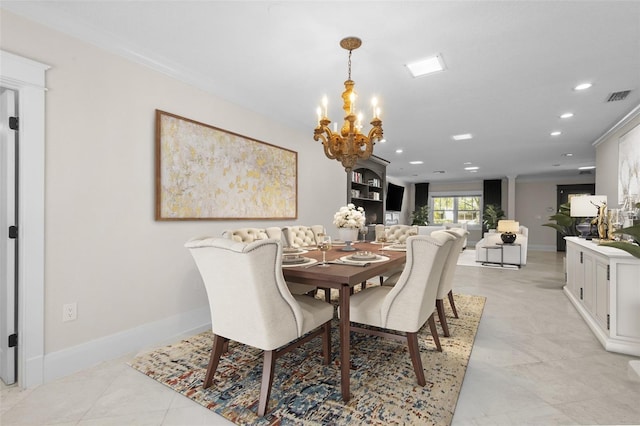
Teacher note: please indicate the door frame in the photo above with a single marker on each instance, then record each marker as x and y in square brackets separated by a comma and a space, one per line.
[27, 77]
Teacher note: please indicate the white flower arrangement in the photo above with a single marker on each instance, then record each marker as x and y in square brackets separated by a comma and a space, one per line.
[349, 216]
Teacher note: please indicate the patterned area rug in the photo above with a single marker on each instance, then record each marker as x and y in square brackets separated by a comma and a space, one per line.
[305, 392]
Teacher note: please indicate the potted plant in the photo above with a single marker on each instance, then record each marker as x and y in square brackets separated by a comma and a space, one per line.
[420, 216]
[565, 224]
[492, 214]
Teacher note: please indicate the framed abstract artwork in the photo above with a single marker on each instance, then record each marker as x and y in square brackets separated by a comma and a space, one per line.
[629, 166]
[207, 173]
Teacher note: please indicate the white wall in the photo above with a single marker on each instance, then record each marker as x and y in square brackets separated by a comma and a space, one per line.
[104, 250]
[536, 200]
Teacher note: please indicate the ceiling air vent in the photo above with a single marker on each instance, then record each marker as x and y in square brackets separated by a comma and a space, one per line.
[618, 96]
[585, 172]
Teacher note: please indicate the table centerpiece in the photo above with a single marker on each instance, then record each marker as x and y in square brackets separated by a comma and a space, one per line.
[349, 219]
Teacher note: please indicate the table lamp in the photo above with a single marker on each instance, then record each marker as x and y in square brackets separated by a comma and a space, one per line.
[586, 207]
[508, 229]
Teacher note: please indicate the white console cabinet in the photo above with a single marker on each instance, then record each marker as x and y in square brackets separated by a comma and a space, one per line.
[603, 283]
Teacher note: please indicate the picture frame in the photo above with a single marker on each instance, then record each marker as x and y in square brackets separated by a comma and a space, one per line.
[629, 165]
[207, 173]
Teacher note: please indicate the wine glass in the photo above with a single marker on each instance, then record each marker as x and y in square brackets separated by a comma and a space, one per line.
[363, 232]
[616, 221]
[324, 245]
[382, 239]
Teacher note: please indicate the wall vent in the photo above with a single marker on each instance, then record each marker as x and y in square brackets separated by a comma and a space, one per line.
[618, 96]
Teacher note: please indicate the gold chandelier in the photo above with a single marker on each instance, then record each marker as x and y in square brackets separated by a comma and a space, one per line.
[348, 145]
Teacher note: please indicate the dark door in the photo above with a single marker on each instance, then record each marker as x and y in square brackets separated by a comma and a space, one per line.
[564, 192]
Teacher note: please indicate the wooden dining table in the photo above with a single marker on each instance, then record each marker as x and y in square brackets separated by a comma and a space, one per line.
[343, 278]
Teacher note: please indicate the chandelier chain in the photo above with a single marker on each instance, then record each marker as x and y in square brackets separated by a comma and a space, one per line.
[350, 64]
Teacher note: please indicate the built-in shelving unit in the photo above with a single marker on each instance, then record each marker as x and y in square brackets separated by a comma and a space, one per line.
[366, 188]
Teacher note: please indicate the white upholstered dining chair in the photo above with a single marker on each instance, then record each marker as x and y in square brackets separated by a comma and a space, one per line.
[397, 234]
[250, 303]
[409, 304]
[301, 235]
[249, 235]
[445, 288]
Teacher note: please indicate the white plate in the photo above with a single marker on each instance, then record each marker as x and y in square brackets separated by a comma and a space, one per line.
[377, 259]
[396, 248]
[307, 262]
[295, 261]
[361, 258]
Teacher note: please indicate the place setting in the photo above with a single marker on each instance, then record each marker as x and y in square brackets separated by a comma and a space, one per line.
[397, 247]
[293, 260]
[361, 258]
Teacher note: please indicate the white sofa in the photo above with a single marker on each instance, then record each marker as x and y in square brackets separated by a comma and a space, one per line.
[509, 254]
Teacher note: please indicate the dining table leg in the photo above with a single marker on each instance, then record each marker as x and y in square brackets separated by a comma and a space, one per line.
[345, 342]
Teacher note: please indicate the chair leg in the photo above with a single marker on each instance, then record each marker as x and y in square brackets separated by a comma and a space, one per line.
[453, 304]
[434, 332]
[414, 352]
[268, 366]
[327, 295]
[381, 279]
[219, 345]
[326, 342]
[442, 317]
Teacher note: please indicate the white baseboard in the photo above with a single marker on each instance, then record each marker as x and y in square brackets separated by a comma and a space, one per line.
[67, 361]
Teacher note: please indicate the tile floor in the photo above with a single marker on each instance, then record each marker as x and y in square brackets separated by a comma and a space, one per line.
[534, 362]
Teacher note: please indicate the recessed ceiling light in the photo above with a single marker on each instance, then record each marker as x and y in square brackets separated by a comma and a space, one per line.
[583, 86]
[398, 151]
[471, 168]
[462, 137]
[568, 154]
[587, 168]
[556, 133]
[426, 66]
[567, 115]
[416, 162]
[383, 140]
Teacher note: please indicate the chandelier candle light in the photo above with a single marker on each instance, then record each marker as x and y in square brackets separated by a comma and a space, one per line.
[348, 145]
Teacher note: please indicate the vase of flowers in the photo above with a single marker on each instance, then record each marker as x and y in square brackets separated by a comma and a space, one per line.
[349, 219]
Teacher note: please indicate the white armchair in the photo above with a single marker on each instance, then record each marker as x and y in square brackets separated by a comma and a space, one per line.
[251, 304]
[512, 254]
[408, 305]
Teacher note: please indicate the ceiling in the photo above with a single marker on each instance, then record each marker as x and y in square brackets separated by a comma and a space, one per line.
[511, 67]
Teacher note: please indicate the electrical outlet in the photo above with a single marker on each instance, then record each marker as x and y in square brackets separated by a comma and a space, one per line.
[69, 312]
